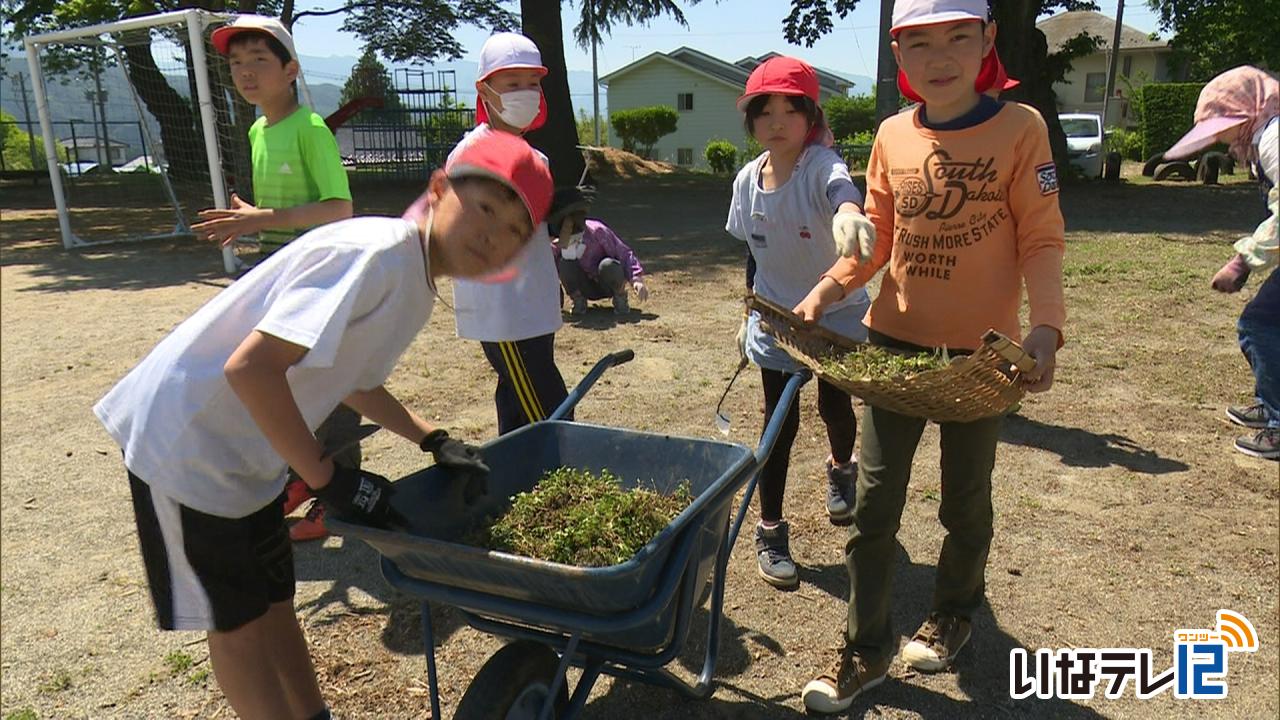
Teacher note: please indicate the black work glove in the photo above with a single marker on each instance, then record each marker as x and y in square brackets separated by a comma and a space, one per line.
[361, 496]
[453, 453]
[461, 461]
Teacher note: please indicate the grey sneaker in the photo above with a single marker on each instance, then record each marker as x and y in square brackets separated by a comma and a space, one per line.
[1250, 416]
[621, 305]
[840, 492]
[1265, 444]
[773, 554]
[937, 642]
[579, 306]
[835, 690]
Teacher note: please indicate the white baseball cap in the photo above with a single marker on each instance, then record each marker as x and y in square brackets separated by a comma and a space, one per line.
[915, 13]
[509, 51]
[253, 23]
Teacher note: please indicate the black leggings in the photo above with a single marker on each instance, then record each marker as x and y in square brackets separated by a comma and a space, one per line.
[836, 408]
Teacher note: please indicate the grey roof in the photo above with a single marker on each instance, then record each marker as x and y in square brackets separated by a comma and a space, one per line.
[1062, 27]
[710, 65]
[829, 81]
[88, 141]
[734, 74]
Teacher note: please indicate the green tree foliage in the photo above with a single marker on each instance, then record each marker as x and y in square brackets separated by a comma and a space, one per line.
[641, 128]
[370, 78]
[848, 116]
[1168, 112]
[721, 155]
[587, 129]
[1212, 36]
[21, 150]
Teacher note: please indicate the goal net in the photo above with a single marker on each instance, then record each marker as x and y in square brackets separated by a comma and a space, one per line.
[142, 127]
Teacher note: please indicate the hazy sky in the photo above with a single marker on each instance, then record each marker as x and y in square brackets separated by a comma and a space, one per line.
[730, 29]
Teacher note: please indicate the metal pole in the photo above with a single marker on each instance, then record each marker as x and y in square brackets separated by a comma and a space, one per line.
[50, 144]
[886, 68]
[26, 115]
[595, 72]
[195, 35]
[105, 152]
[1111, 66]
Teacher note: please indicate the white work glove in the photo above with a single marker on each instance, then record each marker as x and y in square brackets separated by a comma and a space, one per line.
[573, 248]
[742, 339]
[642, 292]
[855, 235]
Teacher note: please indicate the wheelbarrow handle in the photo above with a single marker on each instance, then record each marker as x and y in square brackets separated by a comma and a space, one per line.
[774, 427]
[580, 390]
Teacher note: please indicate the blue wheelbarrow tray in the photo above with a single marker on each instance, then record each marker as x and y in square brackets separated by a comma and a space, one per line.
[434, 550]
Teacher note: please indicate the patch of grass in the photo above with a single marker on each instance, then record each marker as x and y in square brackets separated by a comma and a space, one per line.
[198, 677]
[577, 518]
[59, 681]
[879, 364]
[23, 714]
[178, 662]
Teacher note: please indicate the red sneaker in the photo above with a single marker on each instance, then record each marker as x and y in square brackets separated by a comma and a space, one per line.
[310, 527]
[296, 492]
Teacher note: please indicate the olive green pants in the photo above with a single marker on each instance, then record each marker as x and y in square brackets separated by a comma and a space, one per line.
[889, 442]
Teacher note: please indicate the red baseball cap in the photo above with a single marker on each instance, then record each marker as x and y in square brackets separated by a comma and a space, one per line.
[510, 160]
[782, 75]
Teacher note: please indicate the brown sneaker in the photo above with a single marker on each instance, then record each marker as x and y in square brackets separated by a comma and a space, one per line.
[937, 642]
[850, 676]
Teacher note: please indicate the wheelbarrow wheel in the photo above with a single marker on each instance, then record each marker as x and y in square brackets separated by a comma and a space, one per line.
[513, 684]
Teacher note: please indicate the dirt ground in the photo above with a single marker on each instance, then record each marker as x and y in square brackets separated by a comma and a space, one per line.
[1122, 513]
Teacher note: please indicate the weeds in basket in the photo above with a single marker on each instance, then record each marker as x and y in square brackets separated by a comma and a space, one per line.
[577, 518]
[879, 364]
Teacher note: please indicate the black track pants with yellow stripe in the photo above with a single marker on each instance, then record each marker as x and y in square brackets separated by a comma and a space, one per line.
[529, 384]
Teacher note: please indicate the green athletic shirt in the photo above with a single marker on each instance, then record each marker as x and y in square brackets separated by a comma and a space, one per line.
[295, 162]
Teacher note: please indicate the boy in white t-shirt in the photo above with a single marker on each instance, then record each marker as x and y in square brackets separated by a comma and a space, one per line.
[515, 318]
[212, 417]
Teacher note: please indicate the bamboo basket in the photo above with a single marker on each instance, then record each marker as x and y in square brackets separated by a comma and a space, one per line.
[983, 384]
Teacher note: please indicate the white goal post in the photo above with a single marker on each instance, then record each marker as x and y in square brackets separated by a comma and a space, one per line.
[194, 24]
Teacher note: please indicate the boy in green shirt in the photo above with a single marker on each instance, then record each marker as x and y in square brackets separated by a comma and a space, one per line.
[298, 178]
[298, 183]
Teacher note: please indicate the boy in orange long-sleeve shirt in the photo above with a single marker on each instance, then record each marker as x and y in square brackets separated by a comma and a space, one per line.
[964, 196]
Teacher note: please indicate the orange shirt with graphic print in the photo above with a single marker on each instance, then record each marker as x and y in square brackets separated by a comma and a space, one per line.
[962, 218]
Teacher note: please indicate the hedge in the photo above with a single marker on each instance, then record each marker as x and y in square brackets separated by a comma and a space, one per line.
[721, 155]
[1168, 112]
[640, 128]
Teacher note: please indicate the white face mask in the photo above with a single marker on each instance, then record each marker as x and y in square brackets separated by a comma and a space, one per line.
[572, 250]
[519, 107]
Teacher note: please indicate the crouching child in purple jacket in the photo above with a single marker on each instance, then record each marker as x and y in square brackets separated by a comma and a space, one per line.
[594, 263]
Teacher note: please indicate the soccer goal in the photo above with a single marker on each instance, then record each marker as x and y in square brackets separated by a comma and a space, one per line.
[142, 127]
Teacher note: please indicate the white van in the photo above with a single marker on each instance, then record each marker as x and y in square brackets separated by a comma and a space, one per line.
[1084, 142]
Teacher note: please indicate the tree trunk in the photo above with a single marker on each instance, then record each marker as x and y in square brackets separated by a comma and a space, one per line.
[1024, 51]
[183, 147]
[540, 20]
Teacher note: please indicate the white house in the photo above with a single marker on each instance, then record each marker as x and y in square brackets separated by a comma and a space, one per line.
[1142, 60]
[89, 149]
[703, 90]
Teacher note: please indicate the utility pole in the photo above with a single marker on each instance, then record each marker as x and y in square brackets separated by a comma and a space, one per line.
[105, 151]
[1111, 66]
[26, 115]
[886, 68]
[595, 72]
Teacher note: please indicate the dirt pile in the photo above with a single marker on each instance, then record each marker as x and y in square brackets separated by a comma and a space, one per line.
[610, 162]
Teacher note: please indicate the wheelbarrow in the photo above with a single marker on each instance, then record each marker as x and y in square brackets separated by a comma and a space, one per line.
[627, 620]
